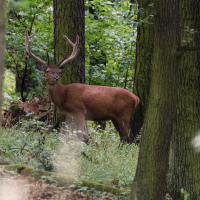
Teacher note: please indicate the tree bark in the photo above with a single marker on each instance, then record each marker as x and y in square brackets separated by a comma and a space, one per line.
[69, 20]
[184, 165]
[2, 48]
[143, 64]
[150, 178]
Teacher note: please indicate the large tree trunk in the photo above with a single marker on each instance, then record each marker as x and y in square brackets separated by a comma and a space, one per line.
[2, 47]
[150, 178]
[143, 64]
[69, 20]
[184, 166]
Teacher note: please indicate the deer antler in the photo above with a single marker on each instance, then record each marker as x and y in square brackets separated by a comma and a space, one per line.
[63, 61]
[29, 50]
[74, 52]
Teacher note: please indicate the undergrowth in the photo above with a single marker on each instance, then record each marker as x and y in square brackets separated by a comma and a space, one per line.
[40, 146]
[111, 164]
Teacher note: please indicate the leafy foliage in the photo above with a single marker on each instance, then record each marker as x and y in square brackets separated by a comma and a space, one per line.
[37, 17]
[110, 43]
[189, 35]
[8, 89]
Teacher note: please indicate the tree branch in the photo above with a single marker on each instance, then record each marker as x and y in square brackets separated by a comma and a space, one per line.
[19, 19]
[195, 48]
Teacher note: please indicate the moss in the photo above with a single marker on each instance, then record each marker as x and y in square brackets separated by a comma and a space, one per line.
[16, 108]
[184, 166]
[62, 179]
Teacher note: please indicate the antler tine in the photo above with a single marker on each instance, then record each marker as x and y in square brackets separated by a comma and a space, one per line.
[65, 56]
[74, 52]
[29, 50]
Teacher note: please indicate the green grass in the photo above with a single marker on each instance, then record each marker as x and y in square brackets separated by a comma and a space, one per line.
[111, 165]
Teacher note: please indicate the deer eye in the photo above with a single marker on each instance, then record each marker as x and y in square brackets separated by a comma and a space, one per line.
[47, 71]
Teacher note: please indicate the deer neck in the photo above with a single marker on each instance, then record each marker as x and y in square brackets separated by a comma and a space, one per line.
[55, 91]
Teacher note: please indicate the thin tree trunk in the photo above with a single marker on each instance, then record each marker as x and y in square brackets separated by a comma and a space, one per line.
[150, 178]
[2, 47]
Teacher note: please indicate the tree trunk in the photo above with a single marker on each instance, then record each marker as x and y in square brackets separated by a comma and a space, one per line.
[184, 166]
[2, 47]
[24, 81]
[150, 178]
[69, 20]
[143, 64]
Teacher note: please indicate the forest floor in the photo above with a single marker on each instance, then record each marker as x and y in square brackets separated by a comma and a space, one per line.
[27, 188]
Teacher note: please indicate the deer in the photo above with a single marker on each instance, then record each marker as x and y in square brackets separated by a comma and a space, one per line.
[86, 102]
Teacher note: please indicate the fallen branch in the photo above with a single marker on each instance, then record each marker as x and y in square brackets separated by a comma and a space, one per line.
[62, 179]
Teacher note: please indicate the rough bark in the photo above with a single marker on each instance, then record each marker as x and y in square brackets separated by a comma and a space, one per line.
[150, 178]
[69, 20]
[184, 165]
[2, 47]
[143, 64]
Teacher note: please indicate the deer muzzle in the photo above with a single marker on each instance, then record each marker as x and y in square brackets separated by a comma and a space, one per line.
[56, 78]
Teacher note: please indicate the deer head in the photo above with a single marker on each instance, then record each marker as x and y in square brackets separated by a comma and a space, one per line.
[52, 72]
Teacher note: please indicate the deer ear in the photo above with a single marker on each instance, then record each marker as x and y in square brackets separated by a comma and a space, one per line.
[40, 67]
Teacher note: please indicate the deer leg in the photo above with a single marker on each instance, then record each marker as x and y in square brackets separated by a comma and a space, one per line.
[119, 129]
[122, 126]
[81, 128]
[126, 130]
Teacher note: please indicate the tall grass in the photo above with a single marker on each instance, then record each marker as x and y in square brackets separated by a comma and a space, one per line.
[42, 147]
[110, 164]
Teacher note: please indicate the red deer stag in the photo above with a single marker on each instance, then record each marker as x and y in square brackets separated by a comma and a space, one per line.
[87, 102]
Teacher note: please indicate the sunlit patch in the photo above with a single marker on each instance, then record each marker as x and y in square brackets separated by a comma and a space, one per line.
[196, 142]
[68, 158]
[10, 189]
